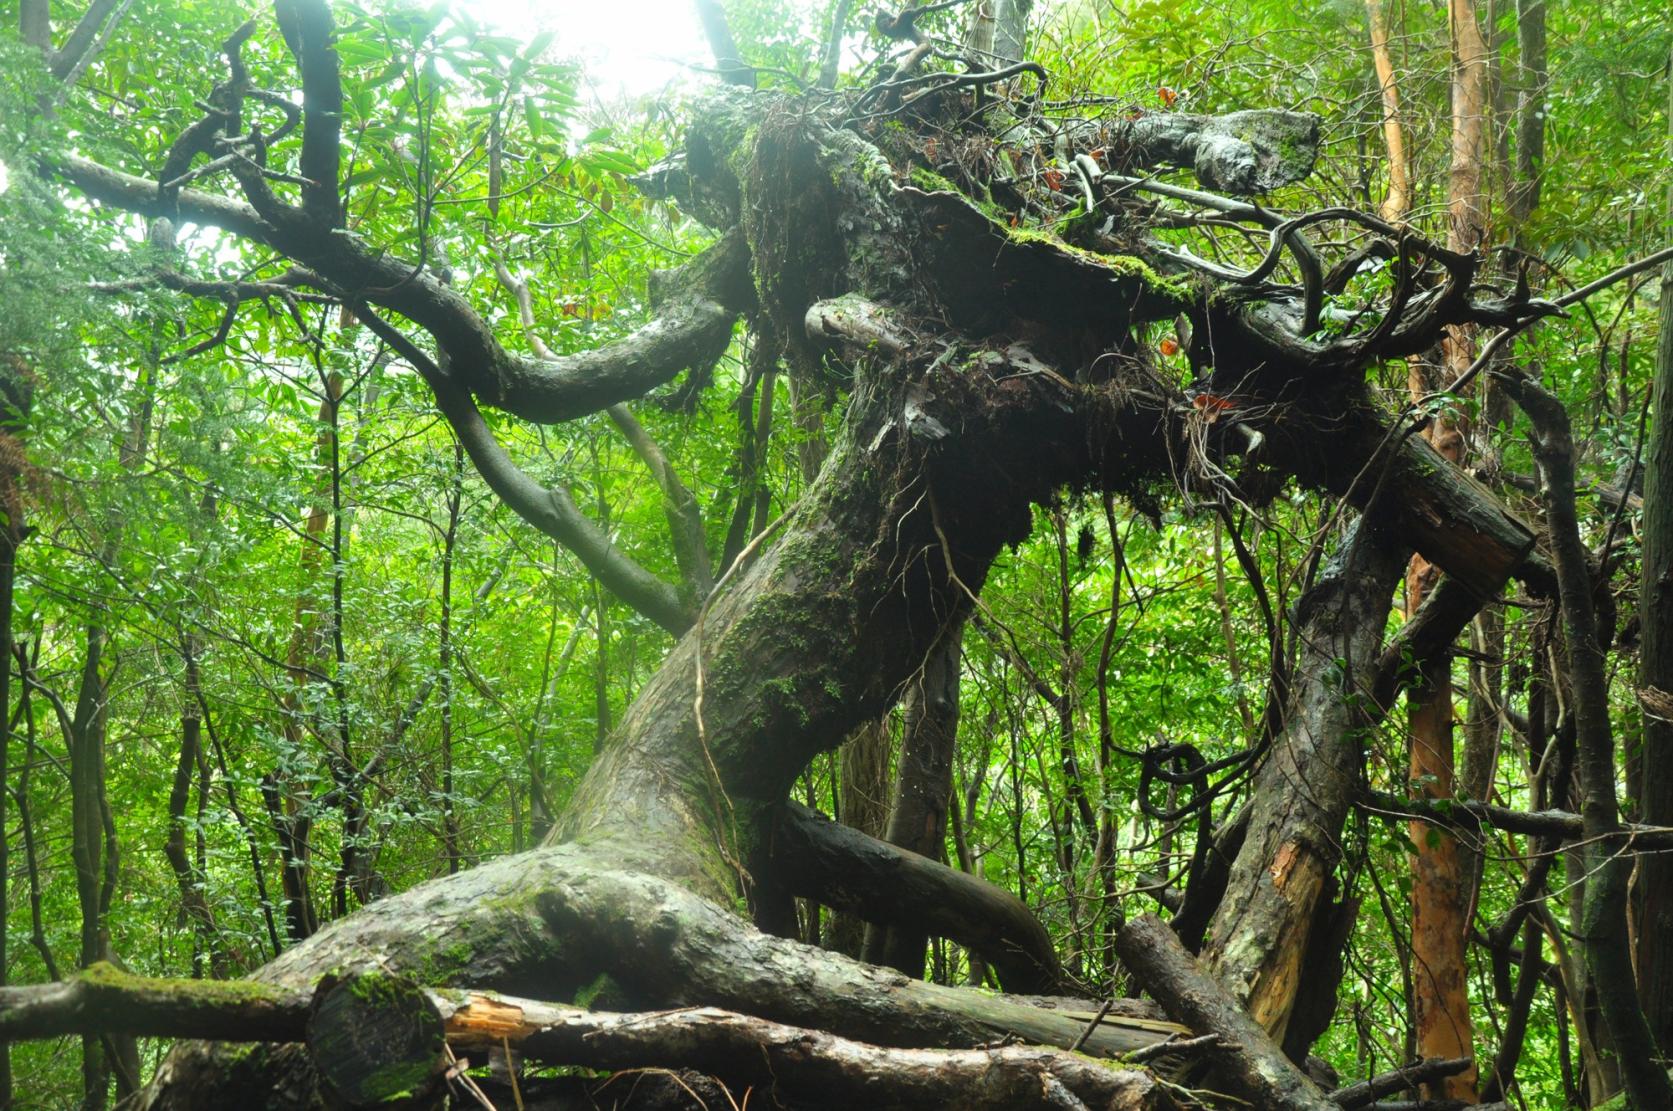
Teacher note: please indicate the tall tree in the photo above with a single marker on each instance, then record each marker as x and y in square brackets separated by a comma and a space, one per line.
[1655, 669]
[1441, 885]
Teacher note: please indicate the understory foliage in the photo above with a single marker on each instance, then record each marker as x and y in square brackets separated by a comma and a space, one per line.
[329, 663]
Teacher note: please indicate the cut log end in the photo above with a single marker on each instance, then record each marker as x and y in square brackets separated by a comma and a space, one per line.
[377, 1041]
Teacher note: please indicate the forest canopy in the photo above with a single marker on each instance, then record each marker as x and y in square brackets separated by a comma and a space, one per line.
[982, 554]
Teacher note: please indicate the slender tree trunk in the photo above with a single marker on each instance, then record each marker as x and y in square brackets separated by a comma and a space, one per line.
[26, 821]
[923, 786]
[94, 846]
[194, 903]
[450, 538]
[1603, 924]
[1440, 895]
[86, 761]
[830, 58]
[15, 389]
[354, 869]
[755, 425]
[601, 665]
[1655, 680]
[1441, 888]
[289, 809]
[863, 804]
[1398, 201]
[1485, 721]
[963, 819]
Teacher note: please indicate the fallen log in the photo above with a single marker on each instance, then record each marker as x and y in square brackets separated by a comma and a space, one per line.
[378, 1040]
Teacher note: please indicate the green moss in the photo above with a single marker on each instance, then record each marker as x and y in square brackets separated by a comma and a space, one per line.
[105, 975]
[992, 210]
[1026, 235]
[443, 962]
[1126, 266]
[589, 994]
[930, 181]
[246, 1054]
[742, 153]
[506, 926]
[380, 987]
[399, 1082]
[1133, 267]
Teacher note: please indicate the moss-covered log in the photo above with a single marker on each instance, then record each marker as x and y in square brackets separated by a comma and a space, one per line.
[375, 1040]
[845, 869]
[103, 999]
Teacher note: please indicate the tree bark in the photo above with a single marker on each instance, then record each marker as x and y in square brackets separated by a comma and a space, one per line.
[1441, 881]
[1398, 202]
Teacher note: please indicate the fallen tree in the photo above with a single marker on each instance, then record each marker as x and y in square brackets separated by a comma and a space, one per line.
[376, 1040]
